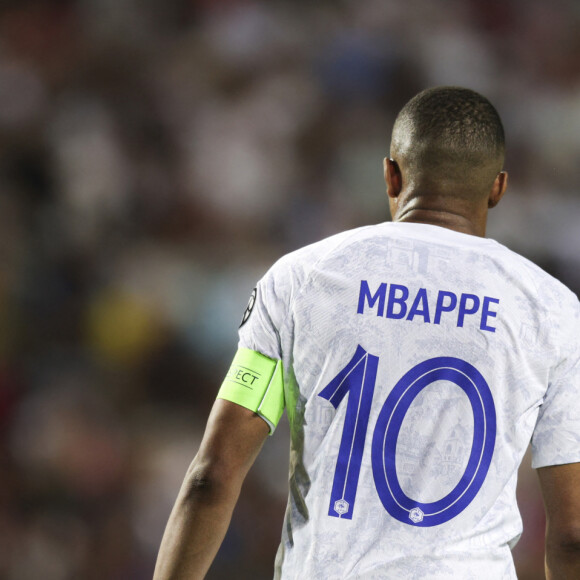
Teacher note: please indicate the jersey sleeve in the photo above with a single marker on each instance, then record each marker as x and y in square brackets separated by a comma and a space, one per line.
[267, 310]
[556, 438]
[256, 377]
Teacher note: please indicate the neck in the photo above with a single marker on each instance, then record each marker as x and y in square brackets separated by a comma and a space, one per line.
[455, 214]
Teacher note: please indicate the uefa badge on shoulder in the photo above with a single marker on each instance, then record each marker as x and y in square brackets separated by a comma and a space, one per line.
[249, 307]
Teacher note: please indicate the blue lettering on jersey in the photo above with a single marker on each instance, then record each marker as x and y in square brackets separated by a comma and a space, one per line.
[365, 294]
[401, 304]
[398, 295]
[420, 306]
[463, 309]
[486, 313]
[442, 307]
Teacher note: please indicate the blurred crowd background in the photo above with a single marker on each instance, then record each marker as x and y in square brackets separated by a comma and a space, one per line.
[156, 156]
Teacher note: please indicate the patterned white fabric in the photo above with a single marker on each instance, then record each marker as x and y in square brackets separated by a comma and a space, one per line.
[419, 363]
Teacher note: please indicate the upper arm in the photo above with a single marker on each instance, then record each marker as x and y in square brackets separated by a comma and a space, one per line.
[560, 486]
[233, 438]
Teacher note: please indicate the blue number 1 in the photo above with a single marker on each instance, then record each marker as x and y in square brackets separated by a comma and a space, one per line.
[358, 380]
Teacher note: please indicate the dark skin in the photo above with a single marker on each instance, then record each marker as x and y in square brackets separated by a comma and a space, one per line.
[560, 486]
[419, 202]
[203, 509]
[234, 435]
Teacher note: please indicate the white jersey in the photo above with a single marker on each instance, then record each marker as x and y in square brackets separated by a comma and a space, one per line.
[418, 364]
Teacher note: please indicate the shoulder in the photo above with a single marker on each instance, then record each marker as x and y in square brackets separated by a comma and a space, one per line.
[289, 275]
[556, 306]
[300, 263]
[550, 290]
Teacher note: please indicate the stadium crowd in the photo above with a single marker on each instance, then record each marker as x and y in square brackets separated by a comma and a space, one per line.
[155, 158]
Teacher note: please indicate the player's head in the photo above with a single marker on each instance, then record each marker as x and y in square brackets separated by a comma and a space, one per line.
[449, 141]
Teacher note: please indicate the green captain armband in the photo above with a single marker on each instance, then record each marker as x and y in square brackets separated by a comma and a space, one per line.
[255, 381]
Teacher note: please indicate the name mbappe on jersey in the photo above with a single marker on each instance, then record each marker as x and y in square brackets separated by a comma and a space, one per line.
[398, 302]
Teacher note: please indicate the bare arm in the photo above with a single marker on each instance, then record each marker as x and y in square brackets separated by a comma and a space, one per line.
[203, 509]
[561, 491]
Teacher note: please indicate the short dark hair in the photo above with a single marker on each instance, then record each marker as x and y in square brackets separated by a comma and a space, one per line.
[450, 129]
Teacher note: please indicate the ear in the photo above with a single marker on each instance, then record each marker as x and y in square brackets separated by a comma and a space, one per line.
[498, 189]
[393, 177]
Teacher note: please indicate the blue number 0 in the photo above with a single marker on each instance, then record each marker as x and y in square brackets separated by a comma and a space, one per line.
[358, 379]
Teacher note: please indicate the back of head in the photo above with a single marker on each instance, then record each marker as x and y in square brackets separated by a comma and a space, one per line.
[449, 139]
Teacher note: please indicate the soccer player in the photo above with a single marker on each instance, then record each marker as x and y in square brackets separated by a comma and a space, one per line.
[416, 360]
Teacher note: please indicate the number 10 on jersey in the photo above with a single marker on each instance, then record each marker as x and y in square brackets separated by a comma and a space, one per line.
[357, 380]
